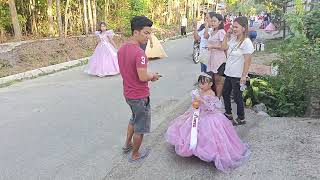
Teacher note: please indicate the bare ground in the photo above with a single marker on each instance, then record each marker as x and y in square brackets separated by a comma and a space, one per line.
[22, 56]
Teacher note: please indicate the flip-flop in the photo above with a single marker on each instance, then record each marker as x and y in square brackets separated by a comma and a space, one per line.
[127, 149]
[241, 121]
[238, 121]
[143, 155]
[229, 116]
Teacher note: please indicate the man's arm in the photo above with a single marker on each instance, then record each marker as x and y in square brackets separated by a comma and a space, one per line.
[142, 70]
[146, 76]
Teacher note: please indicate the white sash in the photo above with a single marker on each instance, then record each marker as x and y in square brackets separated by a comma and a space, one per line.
[194, 130]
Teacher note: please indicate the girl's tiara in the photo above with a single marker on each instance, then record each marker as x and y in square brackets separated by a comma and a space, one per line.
[205, 75]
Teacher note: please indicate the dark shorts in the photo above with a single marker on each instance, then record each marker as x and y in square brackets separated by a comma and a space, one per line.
[141, 114]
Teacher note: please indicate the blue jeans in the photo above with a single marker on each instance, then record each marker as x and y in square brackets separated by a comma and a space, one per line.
[203, 67]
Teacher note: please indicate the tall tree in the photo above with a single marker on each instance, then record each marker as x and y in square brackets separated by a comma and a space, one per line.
[32, 9]
[59, 18]
[94, 15]
[90, 15]
[14, 18]
[106, 9]
[85, 16]
[50, 18]
[66, 19]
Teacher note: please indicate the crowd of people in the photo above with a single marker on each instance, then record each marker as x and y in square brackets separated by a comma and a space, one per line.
[226, 54]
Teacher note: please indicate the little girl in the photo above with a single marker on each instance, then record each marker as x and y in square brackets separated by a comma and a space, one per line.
[104, 61]
[212, 138]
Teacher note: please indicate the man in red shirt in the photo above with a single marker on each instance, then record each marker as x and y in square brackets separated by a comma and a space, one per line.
[133, 64]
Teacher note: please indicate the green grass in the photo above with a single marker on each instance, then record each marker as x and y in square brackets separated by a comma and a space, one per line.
[272, 45]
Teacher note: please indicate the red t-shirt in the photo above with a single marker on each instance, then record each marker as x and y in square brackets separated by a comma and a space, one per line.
[131, 57]
[227, 26]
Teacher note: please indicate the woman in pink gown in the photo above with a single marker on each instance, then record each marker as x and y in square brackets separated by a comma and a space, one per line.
[104, 61]
[217, 140]
[270, 28]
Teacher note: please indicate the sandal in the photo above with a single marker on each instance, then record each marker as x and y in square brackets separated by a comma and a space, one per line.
[240, 121]
[235, 122]
[229, 116]
[143, 155]
[127, 149]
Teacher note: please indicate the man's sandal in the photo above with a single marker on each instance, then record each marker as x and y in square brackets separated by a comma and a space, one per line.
[143, 155]
[127, 149]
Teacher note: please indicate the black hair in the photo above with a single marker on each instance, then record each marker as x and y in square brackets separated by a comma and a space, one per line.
[204, 79]
[101, 23]
[139, 22]
[202, 26]
[219, 17]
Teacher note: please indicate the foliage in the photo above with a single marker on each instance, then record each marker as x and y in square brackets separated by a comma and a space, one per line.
[312, 24]
[247, 7]
[5, 20]
[33, 16]
[280, 99]
[288, 93]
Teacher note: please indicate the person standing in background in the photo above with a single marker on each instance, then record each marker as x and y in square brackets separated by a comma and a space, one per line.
[184, 22]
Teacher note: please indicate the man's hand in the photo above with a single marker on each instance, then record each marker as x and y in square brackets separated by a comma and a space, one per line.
[155, 76]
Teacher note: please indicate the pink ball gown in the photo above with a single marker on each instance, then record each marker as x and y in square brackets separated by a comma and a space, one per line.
[270, 28]
[104, 61]
[217, 140]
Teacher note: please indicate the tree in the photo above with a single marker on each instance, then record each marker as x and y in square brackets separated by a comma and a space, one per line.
[50, 18]
[66, 14]
[90, 15]
[59, 18]
[94, 15]
[14, 18]
[85, 16]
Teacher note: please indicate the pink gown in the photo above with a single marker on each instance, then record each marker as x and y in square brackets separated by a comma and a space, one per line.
[216, 57]
[270, 28]
[218, 141]
[104, 61]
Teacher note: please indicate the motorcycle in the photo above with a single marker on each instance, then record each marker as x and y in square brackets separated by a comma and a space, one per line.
[196, 52]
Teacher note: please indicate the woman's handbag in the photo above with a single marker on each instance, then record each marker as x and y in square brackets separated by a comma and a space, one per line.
[204, 56]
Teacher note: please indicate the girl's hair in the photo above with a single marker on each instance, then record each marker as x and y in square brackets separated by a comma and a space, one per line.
[219, 17]
[204, 79]
[243, 21]
[101, 23]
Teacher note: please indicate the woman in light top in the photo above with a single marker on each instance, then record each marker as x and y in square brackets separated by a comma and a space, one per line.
[239, 55]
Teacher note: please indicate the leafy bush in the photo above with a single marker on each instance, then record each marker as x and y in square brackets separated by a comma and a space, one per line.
[288, 93]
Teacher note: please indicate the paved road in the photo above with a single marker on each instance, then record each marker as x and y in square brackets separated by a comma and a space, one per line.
[282, 149]
[69, 125]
